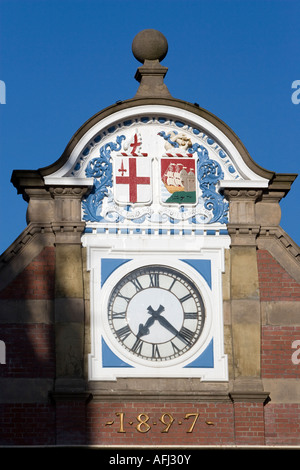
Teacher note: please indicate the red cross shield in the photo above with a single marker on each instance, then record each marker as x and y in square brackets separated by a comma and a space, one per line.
[132, 180]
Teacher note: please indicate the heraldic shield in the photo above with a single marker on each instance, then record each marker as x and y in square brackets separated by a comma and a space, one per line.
[132, 177]
[178, 177]
[132, 174]
[151, 173]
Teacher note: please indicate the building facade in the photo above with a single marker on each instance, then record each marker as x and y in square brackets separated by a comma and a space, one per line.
[153, 298]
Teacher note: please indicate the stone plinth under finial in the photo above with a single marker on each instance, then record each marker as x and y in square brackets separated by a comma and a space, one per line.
[150, 47]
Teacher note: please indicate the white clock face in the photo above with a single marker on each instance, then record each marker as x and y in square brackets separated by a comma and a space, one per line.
[156, 313]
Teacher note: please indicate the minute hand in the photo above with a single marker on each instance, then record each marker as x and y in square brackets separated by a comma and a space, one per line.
[164, 322]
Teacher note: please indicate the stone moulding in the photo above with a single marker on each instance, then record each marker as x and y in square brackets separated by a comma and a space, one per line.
[257, 397]
[23, 178]
[283, 238]
[166, 396]
[21, 252]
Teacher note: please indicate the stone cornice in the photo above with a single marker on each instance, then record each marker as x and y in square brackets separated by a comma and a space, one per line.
[23, 240]
[21, 252]
[250, 396]
[282, 248]
[243, 193]
[243, 234]
[74, 192]
[166, 396]
[31, 242]
[70, 396]
[22, 178]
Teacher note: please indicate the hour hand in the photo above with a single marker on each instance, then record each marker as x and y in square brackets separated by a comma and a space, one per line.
[156, 313]
[144, 329]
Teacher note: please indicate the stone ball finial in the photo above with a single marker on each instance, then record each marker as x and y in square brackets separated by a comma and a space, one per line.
[149, 44]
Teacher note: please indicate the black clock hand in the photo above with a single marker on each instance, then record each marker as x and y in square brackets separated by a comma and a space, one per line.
[164, 322]
[144, 329]
[155, 313]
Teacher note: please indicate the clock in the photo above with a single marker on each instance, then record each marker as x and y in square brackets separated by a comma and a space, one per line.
[156, 313]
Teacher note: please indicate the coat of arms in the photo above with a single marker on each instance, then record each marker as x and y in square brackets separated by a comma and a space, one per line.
[154, 176]
[132, 174]
[178, 173]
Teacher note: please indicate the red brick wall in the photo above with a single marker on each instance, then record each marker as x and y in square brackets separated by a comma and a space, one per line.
[29, 350]
[274, 282]
[30, 353]
[36, 281]
[215, 424]
[30, 346]
[282, 420]
[249, 423]
[277, 351]
[27, 424]
[282, 424]
[70, 422]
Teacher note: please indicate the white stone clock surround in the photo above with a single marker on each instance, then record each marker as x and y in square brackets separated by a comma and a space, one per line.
[163, 252]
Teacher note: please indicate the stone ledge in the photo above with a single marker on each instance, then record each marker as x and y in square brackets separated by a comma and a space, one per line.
[283, 390]
[57, 397]
[281, 313]
[253, 397]
[166, 396]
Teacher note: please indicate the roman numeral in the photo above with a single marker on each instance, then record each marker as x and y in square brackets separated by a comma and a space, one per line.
[137, 347]
[124, 332]
[175, 348]
[191, 315]
[170, 288]
[154, 280]
[119, 315]
[137, 284]
[186, 335]
[185, 297]
[123, 297]
[155, 351]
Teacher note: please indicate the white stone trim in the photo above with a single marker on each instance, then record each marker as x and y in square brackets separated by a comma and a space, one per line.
[171, 111]
[156, 252]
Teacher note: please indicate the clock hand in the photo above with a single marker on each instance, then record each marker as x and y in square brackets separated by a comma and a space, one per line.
[164, 322]
[156, 313]
[144, 329]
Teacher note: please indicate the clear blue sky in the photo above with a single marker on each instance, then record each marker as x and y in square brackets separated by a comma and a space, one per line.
[64, 60]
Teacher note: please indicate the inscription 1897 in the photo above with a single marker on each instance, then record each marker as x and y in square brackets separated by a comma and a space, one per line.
[144, 422]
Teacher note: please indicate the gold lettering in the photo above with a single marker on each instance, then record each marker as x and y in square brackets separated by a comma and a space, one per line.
[121, 415]
[187, 416]
[143, 419]
[168, 423]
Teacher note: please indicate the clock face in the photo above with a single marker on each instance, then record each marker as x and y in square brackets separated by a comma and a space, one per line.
[156, 313]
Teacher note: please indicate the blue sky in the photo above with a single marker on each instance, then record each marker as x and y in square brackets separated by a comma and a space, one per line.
[64, 60]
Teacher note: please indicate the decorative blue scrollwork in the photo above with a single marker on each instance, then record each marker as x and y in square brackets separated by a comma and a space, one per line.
[168, 136]
[100, 169]
[209, 175]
